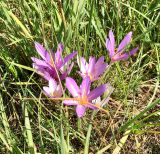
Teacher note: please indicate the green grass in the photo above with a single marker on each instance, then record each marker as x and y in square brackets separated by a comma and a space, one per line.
[44, 126]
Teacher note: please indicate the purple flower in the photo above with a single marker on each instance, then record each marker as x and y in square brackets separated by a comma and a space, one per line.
[92, 69]
[83, 97]
[53, 90]
[46, 67]
[119, 54]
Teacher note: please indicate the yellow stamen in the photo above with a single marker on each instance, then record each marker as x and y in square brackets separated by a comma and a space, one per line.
[91, 77]
[83, 100]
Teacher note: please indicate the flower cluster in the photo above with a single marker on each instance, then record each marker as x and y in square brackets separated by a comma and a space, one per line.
[54, 68]
[52, 62]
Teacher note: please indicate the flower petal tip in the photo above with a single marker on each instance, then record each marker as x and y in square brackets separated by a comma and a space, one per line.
[80, 110]
[37, 44]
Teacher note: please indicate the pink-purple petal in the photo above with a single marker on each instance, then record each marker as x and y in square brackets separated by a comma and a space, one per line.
[59, 91]
[58, 59]
[52, 85]
[110, 44]
[63, 75]
[99, 69]
[46, 91]
[112, 40]
[91, 64]
[100, 61]
[39, 62]
[42, 71]
[91, 107]
[118, 57]
[85, 86]
[69, 57]
[70, 102]
[70, 68]
[83, 65]
[72, 87]
[80, 110]
[66, 72]
[41, 50]
[133, 51]
[60, 47]
[97, 92]
[124, 56]
[124, 42]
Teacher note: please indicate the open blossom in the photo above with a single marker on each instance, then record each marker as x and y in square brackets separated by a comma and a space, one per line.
[92, 69]
[54, 90]
[119, 54]
[83, 97]
[51, 62]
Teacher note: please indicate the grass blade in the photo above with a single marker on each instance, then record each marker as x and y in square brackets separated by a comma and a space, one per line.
[130, 122]
[121, 142]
